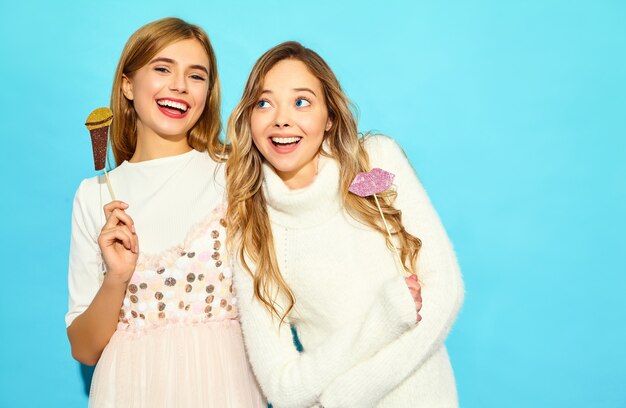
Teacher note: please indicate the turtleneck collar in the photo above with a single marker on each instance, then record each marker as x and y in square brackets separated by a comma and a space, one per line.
[303, 207]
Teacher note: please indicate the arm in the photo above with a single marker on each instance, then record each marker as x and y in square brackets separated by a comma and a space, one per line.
[442, 293]
[292, 379]
[95, 308]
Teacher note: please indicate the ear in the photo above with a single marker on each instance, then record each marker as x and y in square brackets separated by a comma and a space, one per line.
[329, 124]
[127, 88]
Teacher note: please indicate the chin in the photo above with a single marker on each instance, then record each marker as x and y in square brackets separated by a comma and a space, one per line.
[283, 167]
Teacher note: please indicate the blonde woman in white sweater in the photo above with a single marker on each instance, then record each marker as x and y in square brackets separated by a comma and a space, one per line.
[313, 255]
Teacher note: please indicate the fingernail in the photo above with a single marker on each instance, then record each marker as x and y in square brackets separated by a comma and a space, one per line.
[132, 228]
[123, 204]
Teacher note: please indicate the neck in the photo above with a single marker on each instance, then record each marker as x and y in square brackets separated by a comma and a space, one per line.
[306, 206]
[150, 147]
[300, 178]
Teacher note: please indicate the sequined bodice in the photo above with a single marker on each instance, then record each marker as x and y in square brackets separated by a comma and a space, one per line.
[189, 283]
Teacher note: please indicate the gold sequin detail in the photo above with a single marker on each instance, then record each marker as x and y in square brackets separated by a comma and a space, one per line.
[170, 282]
[223, 222]
[201, 277]
[207, 309]
[134, 298]
[188, 288]
[218, 264]
[158, 295]
[161, 315]
[181, 304]
[191, 254]
[217, 245]
[133, 313]
[191, 277]
[143, 286]
[215, 234]
[132, 288]
[209, 299]
[216, 255]
[187, 307]
[210, 289]
[160, 271]
[161, 306]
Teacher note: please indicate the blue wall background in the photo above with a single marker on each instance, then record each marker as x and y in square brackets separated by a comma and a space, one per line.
[513, 114]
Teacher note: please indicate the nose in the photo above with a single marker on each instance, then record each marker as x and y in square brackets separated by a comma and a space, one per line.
[178, 83]
[282, 118]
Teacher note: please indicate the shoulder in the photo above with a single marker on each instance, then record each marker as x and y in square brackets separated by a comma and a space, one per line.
[88, 189]
[385, 152]
[88, 201]
[204, 164]
[382, 147]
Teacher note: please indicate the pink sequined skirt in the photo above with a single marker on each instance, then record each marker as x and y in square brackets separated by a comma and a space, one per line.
[183, 365]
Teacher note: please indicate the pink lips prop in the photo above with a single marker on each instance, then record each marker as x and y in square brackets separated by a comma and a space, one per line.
[372, 182]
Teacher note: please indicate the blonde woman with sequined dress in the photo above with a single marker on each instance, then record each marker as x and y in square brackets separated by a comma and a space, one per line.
[151, 297]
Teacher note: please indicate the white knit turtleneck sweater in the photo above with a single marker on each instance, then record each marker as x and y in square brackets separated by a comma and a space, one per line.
[354, 314]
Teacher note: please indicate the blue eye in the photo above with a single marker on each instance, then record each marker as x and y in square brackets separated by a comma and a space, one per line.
[161, 69]
[302, 102]
[263, 103]
[197, 77]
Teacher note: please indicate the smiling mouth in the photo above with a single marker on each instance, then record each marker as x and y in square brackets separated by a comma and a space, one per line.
[177, 107]
[285, 141]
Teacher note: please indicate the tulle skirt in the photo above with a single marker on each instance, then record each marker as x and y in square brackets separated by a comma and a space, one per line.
[184, 365]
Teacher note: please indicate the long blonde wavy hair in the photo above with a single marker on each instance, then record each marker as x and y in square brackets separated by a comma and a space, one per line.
[248, 222]
[140, 48]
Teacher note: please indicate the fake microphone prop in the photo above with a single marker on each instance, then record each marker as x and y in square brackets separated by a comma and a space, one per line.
[98, 123]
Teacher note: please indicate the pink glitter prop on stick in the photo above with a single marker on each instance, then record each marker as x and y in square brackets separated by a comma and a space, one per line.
[371, 183]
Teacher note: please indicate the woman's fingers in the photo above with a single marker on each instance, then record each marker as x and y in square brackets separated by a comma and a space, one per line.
[109, 207]
[123, 234]
[416, 293]
[119, 217]
[115, 210]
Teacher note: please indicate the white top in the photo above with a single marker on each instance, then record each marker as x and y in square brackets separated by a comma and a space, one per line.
[154, 191]
[354, 314]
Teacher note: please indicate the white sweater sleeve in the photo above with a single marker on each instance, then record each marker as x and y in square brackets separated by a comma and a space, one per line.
[442, 293]
[85, 264]
[292, 379]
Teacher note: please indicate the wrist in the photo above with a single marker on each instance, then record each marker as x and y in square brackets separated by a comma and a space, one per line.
[115, 282]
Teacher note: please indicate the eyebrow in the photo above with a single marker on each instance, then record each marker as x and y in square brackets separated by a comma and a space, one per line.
[267, 91]
[304, 90]
[171, 61]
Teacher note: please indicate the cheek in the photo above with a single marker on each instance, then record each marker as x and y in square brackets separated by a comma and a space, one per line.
[257, 125]
[314, 125]
[201, 95]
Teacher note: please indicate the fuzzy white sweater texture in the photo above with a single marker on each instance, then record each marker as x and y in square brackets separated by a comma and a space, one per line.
[354, 314]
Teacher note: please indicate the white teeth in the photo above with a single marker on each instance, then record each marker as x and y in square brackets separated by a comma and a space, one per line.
[172, 104]
[285, 140]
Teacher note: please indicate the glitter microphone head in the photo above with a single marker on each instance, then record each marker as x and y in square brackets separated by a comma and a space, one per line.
[98, 123]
